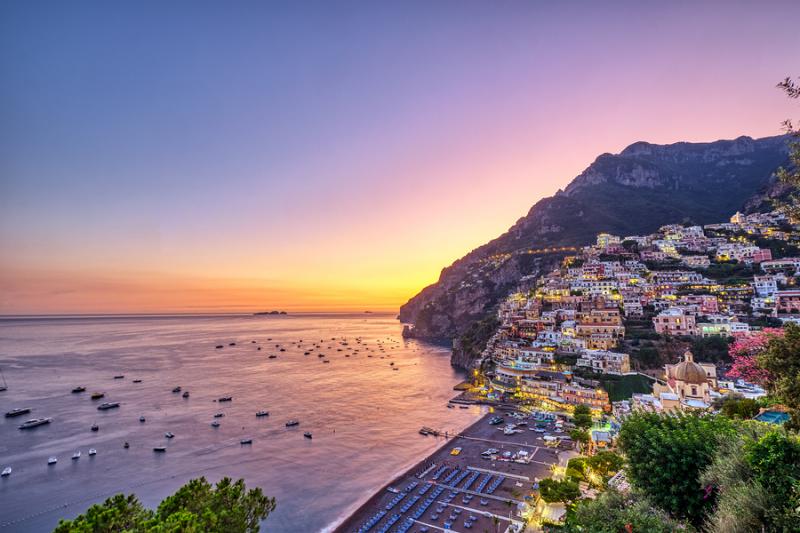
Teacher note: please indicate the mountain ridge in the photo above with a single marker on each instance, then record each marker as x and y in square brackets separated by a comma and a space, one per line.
[636, 191]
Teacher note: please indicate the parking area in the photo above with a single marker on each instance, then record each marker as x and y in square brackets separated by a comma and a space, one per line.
[476, 482]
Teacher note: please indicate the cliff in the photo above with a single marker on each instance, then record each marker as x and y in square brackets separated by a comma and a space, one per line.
[634, 192]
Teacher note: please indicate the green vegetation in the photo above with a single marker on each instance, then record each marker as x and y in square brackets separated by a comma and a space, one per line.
[791, 175]
[197, 507]
[666, 455]
[473, 341]
[613, 512]
[565, 491]
[738, 407]
[582, 417]
[712, 349]
[623, 387]
[781, 360]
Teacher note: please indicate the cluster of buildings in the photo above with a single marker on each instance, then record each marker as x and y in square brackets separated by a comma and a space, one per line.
[682, 281]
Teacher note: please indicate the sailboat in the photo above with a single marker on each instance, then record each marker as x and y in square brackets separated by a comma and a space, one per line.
[3, 385]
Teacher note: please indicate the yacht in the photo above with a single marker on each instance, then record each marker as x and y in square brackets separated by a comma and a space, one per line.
[307, 434]
[226, 399]
[176, 390]
[120, 376]
[108, 405]
[262, 413]
[52, 460]
[34, 422]
[18, 411]
[273, 356]
[137, 380]
[246, 441]
[92, 451]
[142, 418]
[76, 455]
[214, 424]
[6, 471]
[97, 395]
[169, 435]
[160, 449]
[292, 422]
[78, 389]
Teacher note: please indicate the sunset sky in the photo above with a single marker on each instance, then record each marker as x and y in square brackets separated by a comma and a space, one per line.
[237, 156]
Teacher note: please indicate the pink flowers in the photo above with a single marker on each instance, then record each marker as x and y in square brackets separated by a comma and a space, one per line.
[744, 351]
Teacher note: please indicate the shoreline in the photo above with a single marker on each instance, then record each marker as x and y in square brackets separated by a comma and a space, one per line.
[370, 502]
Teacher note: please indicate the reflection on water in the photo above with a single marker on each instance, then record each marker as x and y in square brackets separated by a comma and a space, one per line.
[364, 415]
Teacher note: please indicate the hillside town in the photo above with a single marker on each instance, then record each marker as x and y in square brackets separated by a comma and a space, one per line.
[588, 318]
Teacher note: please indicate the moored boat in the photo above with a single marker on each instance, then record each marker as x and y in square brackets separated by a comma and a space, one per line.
[246, 441]
[226, 399]
[292, 422]
[107, 405]
[34, 422]
[98, 395]
[18, 411]
[78, 389]
[52, 460]
[307, 434]
[92, 451]
[169, 435]
[160, 449]
[176, 390]
[142, 418]
[214, 424]
[6, 472]
[120, 376]
[76, 455]
[95, 427]
[186, 394]
[262, 413]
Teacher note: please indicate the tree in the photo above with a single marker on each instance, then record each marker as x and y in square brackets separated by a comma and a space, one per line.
[744, 350]
[737, 406]
[566, 491]
[605, 463]
[197, 506]
[614, 512]
[666, 454]
[581, 436]
[757, 477]
[781, 361]
[582, 417]
[791, 176]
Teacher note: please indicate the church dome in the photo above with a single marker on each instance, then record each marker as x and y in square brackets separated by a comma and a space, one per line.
[690, 372]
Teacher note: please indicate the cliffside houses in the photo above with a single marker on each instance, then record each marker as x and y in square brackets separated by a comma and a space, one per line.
[686, 281]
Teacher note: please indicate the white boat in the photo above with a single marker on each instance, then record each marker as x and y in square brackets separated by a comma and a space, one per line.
[52, 460]
[214, 424]
[169, 435]
[76, 455]
[34, 422]
[92, 451]
[141, 418]
[292, 422]
[6, 471]
[246, 441]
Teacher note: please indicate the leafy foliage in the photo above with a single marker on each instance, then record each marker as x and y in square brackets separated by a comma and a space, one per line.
[739, 407]
[582, 417]
[791, 176]
[666, 454]
[196, 507]
[614, 512]
[781, 362]
[552, 490]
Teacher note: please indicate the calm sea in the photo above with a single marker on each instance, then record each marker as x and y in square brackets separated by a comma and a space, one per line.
[364, 415]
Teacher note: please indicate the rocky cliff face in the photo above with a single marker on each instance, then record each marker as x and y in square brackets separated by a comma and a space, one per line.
[634, 192]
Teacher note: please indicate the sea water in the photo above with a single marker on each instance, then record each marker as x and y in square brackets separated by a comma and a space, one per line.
[363, 414]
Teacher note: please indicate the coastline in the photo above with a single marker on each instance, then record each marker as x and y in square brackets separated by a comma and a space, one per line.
[352, 519]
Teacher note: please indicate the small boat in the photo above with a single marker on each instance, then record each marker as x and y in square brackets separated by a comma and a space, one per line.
[326, 361]
[119, 377]
[186, 394]
[219, 415]
[214, 424]
[126, 445]
[320, 355]
[262, 413]
[6, 472]
[98, 395]
[246, 441]
[137, 380]
[160, 449]
[169, 435]
[463, 406]
[52, 460]
[292, 422]
[176, 390]
[273, 357]
[18, 411]
[76, 390]
[76, 455]
[142, 418]
[307, 434]
[226, 399]
[3, 385]
[231, 344]
[219, 346]
[95, 427]
[92, 451]
[259, 348]
[34, 422]
[108, 405]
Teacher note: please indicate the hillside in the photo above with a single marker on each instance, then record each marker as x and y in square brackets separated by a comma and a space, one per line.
[636, 191]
